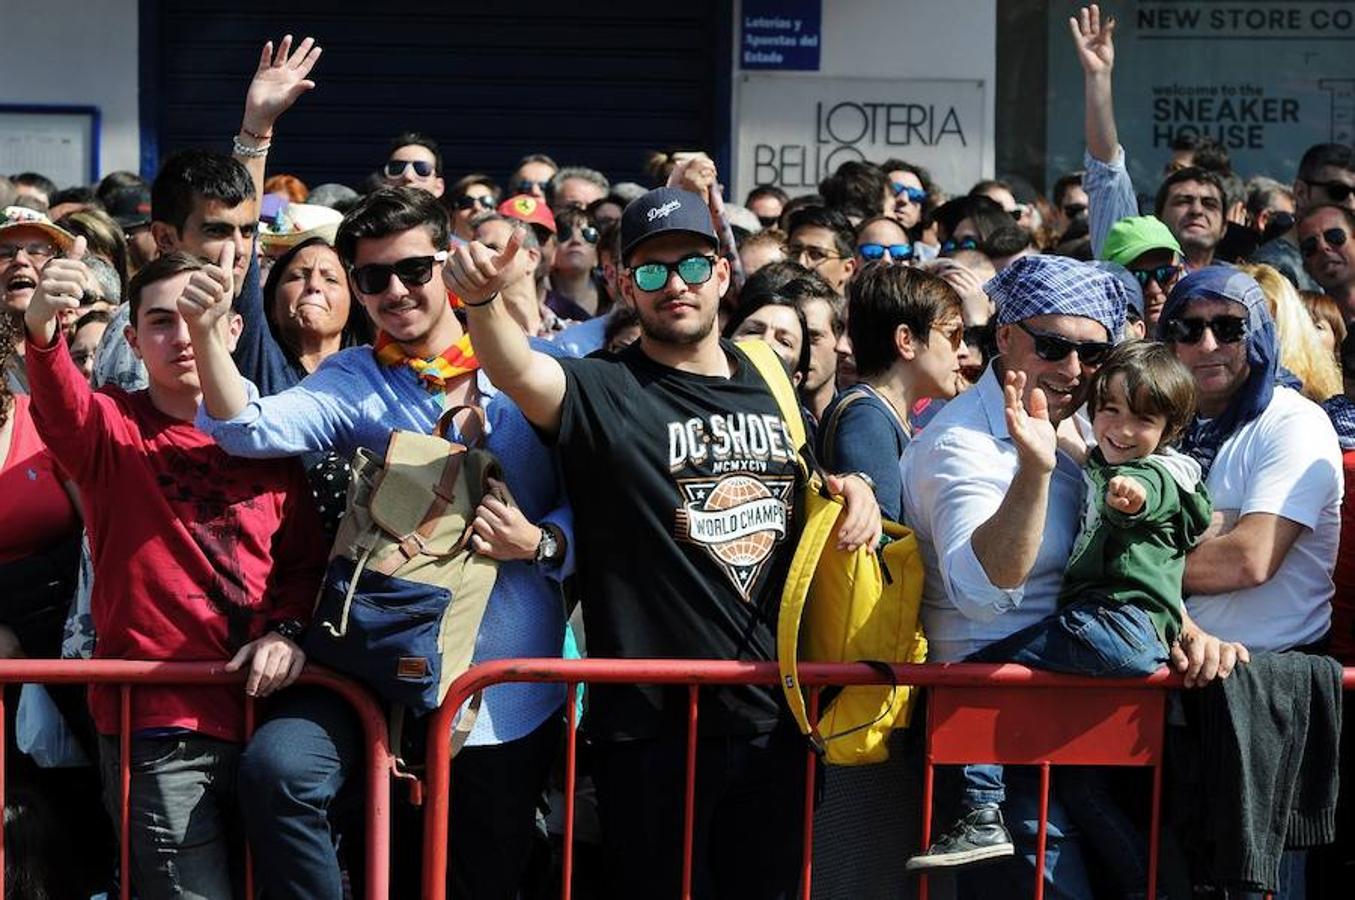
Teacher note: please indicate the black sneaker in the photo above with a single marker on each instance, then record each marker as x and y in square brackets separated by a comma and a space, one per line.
[979, 837]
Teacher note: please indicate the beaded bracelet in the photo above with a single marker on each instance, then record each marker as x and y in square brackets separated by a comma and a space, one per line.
[247, 151]
[485, 302]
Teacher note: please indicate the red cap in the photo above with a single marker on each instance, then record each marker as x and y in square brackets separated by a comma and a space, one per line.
[529, 209]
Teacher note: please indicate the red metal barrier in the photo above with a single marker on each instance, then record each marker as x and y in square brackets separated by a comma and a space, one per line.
[131, 674]
[1119, 724]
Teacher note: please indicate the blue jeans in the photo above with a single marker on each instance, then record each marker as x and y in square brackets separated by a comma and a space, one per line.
[184, 840]
[311, 746]
[1085, 637]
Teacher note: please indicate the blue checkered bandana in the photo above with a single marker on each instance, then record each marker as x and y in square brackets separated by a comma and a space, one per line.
[1058, 286]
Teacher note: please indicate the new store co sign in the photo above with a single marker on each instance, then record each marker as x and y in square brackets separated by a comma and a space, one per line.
[794, 130]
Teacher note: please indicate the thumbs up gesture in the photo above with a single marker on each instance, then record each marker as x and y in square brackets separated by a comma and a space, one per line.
[62, 284]
[207, 297]
[476, 273]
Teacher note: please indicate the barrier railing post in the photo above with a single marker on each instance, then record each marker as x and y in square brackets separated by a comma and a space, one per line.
[689, 799]
[4, 763]
[811, 772]
[571, 761]
[125, 791]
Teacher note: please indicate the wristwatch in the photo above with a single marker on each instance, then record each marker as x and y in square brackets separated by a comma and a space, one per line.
[291, 629]
[548, 550]
[870, 482]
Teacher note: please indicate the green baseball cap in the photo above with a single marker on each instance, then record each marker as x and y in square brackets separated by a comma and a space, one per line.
[1133, 236]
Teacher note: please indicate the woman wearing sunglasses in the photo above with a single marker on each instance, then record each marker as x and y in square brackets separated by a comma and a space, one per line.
[907, 330]
[471, 196]
[577, 292]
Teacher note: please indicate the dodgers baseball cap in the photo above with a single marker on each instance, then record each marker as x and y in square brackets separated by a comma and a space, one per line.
[661, 211]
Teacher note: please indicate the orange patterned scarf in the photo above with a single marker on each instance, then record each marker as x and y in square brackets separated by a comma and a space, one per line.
[457, 359]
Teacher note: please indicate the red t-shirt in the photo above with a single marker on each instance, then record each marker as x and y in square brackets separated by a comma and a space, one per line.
[194, 551]
[35, 511]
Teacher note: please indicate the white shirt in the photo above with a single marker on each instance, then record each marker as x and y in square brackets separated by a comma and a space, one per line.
[955, 475]
[1285, 462]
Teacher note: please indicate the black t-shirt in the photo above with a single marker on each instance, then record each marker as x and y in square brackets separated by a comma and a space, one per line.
[684, 490]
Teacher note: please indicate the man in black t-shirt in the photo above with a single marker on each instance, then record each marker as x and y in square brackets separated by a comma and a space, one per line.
[682, 477]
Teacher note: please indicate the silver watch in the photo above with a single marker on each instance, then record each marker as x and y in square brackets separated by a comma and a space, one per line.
[549, 548]
[870, 482]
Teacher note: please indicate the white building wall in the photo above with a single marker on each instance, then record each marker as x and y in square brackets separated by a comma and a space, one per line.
[81, 53]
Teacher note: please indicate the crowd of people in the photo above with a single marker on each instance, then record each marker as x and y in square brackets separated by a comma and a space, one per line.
[1119, 429]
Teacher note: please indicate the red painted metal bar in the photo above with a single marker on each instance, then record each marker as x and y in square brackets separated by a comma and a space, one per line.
[571, 771]
[811, 772]
[125, 673]
[124, 791]
[689, 795]
[719, 672]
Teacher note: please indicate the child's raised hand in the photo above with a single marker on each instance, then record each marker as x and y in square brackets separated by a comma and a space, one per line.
[1125, 494]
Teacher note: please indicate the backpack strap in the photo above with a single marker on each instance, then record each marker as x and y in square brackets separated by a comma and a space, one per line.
[821, 517]
[828, 430]
[769, 366]
[476, 432]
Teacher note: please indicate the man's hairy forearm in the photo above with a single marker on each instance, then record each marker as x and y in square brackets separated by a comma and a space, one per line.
[1102, 136]
[1008, 543]
[500, 344]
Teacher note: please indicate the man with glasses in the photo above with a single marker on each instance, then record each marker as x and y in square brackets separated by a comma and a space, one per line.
[576, 186]
[1273, 468]
[996, 502]
[911, 186]
[27, 242]
[392, 244]
[822, 240]
[532, 176]
[1144, 246]
[766, 202]
[1324, 234]
[1326, 176]
[655, 442]
[1070, 201]
[415, 160]
[469, 198]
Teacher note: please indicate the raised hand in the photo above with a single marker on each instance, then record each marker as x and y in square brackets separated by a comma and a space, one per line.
[1030, 429]
[1125, 494]
[61, 285]
[207, 297]
[697, 175]
[1094, 40]
[475, 273]
[279, 80]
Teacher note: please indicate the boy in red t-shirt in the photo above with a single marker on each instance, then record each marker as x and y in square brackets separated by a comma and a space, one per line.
[198, 555]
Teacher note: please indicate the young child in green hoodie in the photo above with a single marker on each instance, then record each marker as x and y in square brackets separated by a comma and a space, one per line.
[1120, 606]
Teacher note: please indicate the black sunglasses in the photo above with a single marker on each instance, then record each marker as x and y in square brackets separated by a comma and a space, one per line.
[1161, 274]
[1073, 210]
[414, 270]
[525, 186]
[768, 221]
[1054, 347]
[396, 167]
[466, 201]
[1335, 237]
[587, 232]
[1338, 191]
[1226, 329]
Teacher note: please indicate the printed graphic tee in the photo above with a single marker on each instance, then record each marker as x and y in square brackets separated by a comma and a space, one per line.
[684, 489]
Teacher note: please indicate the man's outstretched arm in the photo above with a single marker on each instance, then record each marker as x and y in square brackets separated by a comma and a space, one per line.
[534, 381]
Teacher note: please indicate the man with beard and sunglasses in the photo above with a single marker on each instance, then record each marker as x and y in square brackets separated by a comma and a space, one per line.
[656, 443]
[1326, 176]
[422, 363]
[995, 497]
[1324, 242]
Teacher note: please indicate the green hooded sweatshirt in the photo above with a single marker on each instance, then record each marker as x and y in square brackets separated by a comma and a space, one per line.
[1140, 558]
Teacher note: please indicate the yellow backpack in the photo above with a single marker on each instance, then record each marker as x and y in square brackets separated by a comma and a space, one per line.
[844, 607]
